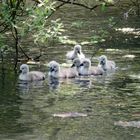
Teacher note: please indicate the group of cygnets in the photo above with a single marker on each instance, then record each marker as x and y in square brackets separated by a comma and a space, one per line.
[81, 66]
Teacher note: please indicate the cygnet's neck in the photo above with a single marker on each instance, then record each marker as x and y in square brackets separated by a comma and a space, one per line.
[23, 76]
[54, 74]
[84, 70]
[76, 53]
[104, 66]
[24, 72]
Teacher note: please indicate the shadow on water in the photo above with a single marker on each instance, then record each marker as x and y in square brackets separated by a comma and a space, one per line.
[111, 102]
[9, 105]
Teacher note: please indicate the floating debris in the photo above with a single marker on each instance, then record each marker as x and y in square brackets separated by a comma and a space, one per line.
[128, 124]
[69, 114]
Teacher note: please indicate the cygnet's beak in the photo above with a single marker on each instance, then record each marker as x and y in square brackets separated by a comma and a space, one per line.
[20, 71]
[78, 51]
[73, 65]
[51, 69]
[81, 64]
[102, 62]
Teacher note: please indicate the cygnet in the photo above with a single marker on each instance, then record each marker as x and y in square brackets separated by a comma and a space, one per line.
[57, 72]
[86, 68]
[27, 75]
[106, 64]
[76, 53]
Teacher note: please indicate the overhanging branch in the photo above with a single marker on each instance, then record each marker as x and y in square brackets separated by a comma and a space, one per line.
[79, 4]
[82, 5]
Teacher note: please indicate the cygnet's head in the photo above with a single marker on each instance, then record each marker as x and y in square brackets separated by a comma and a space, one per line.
[77, 49]
[76, 63]
[53, 66]
[86, 63]
[102, 60]
[24, 68]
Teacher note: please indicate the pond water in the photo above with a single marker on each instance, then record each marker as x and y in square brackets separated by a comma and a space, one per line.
[111, 102]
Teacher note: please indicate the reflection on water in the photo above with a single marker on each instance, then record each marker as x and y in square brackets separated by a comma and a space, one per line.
[25, 86]
[53, 83]
[83, 82]
[111, 101]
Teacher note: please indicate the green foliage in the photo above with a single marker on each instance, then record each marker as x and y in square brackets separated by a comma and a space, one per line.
[5, 13]
[52, 33]
[25, 19]
[1, 41]
[43, 30]
[30, 20]
[3, 47]
[103, 6]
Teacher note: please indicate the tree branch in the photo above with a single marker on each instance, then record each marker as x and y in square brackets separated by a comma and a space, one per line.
[24, 52]
[4, 29]
[79, 4]
[56, 8]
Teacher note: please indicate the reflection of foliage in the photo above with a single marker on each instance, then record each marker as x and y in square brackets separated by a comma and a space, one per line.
[130, 6]
[100, 36]
[111, 22]
[78, 24]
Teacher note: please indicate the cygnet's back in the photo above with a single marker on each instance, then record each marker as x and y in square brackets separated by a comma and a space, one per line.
[68, 73]
[95, 71]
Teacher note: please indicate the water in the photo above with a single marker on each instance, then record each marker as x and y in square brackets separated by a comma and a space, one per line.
[26, 109]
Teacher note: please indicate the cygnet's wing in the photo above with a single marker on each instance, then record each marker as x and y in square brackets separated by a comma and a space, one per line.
[81, 55]
[68, 73]
[70, 55]
[111, 65]
[36, 75]
[72, 72]
[96, 71]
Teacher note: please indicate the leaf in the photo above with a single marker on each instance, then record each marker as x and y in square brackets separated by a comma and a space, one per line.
[103, 7]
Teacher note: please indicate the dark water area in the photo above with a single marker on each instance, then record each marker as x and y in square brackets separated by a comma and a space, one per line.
[111, 102]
